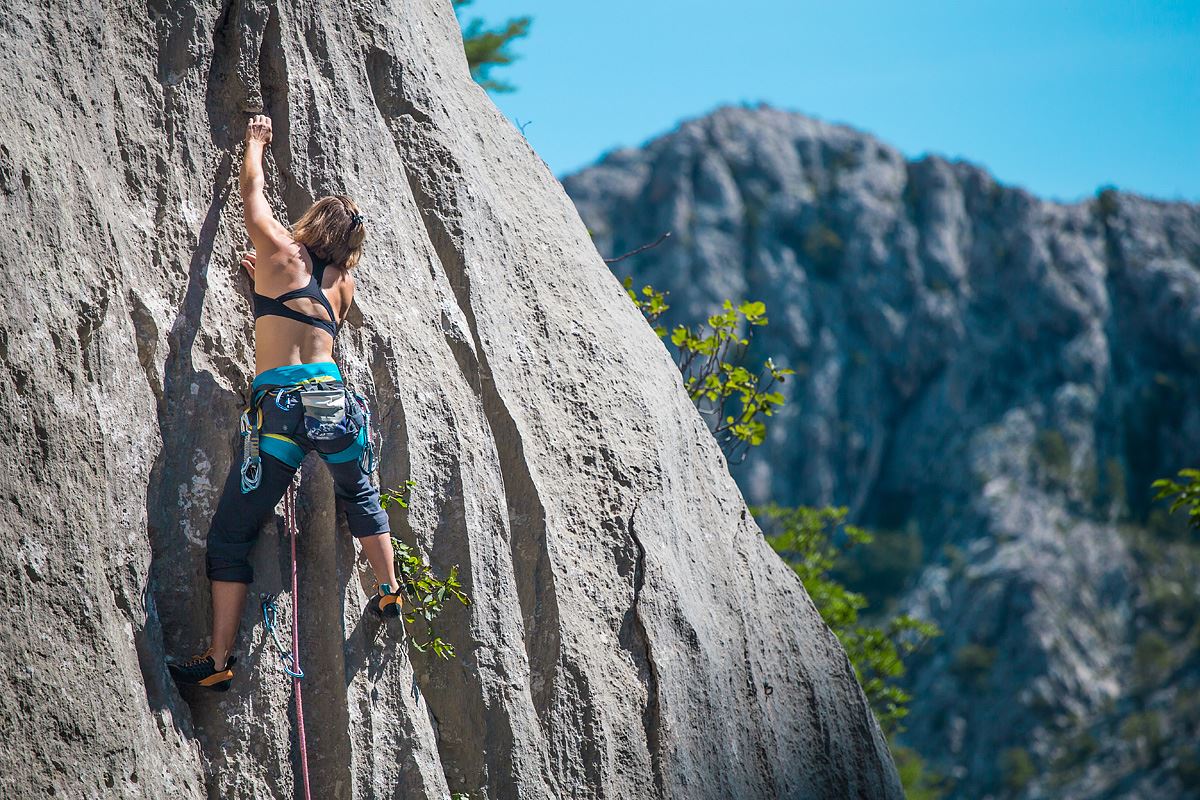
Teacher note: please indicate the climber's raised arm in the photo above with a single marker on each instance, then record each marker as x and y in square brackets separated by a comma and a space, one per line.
[265, 231]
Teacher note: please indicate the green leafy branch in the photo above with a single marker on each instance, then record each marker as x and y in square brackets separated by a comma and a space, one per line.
[709, 359]
[425, 590]
[1186, 494]
[806, 538]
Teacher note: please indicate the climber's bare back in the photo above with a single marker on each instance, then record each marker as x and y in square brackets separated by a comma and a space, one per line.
[279, 341]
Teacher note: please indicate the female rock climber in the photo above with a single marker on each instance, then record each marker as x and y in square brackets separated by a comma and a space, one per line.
[302, 290]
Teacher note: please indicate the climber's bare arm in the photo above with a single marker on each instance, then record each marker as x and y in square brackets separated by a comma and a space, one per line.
[266, 233]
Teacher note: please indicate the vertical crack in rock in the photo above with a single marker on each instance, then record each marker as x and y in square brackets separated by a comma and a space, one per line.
[275, 83]
[174, 422]
[639, 648]
[527, 516]
[230, 82]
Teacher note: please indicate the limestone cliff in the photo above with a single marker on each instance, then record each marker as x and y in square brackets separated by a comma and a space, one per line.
[631, 634]
[989, 380]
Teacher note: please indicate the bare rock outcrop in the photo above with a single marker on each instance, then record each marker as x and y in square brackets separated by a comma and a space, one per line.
[631, 633]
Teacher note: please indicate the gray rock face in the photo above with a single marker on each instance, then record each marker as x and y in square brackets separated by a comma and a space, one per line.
[631, 633]
[998, 376]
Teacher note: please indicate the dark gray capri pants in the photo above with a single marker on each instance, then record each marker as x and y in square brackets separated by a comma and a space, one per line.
[239, 517]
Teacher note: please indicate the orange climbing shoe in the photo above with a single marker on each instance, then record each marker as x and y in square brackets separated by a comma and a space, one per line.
[386, 603]
[202, 671]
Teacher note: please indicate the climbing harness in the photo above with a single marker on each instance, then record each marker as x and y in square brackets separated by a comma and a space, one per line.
[252, 421]
[268, 609]
[329, 414]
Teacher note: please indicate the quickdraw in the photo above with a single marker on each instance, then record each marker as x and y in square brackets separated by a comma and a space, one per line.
[374, 442]
[269, 613]
[285, 399]
[251, 461]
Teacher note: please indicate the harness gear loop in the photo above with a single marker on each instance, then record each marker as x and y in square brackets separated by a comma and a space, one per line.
[251, 462]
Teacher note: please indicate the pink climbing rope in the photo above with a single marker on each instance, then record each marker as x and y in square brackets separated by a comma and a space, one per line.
[289, 515]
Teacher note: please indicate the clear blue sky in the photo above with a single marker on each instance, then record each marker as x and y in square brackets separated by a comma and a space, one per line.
[1058, 97]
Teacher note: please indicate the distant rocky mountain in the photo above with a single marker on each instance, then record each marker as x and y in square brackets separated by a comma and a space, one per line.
[990, 380]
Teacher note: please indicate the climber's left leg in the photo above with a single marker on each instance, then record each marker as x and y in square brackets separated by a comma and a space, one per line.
[367, 520]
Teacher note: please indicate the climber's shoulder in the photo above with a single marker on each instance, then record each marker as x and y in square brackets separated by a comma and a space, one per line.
[266, 232]
[343, 283]
[338, 284]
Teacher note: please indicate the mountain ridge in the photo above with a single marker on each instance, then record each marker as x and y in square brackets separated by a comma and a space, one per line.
[848, 127]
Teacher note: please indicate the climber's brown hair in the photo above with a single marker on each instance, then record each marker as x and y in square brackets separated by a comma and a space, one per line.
[332, 229]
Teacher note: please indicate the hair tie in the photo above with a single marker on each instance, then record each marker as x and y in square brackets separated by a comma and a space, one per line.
[356, 220]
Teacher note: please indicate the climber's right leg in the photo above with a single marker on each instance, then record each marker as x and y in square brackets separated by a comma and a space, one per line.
[231, 538]
[228, 603]
[368, 523]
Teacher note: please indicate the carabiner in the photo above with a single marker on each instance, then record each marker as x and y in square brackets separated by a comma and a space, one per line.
[251, 474]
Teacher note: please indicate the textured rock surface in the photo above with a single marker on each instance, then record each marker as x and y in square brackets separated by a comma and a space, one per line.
[631, 636]
[999, 376]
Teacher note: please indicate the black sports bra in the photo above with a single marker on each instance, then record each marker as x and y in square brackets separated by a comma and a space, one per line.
[274, 306]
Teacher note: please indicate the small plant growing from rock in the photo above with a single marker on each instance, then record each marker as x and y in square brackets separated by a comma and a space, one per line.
[710, 359]
[425, 590]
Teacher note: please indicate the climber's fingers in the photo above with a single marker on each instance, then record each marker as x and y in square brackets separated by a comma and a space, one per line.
[259, 129]
[249, 261]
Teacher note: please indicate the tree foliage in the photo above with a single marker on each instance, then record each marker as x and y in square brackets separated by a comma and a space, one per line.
[814, 541]
[1184, 494]
[734, 400]
[488, 48]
